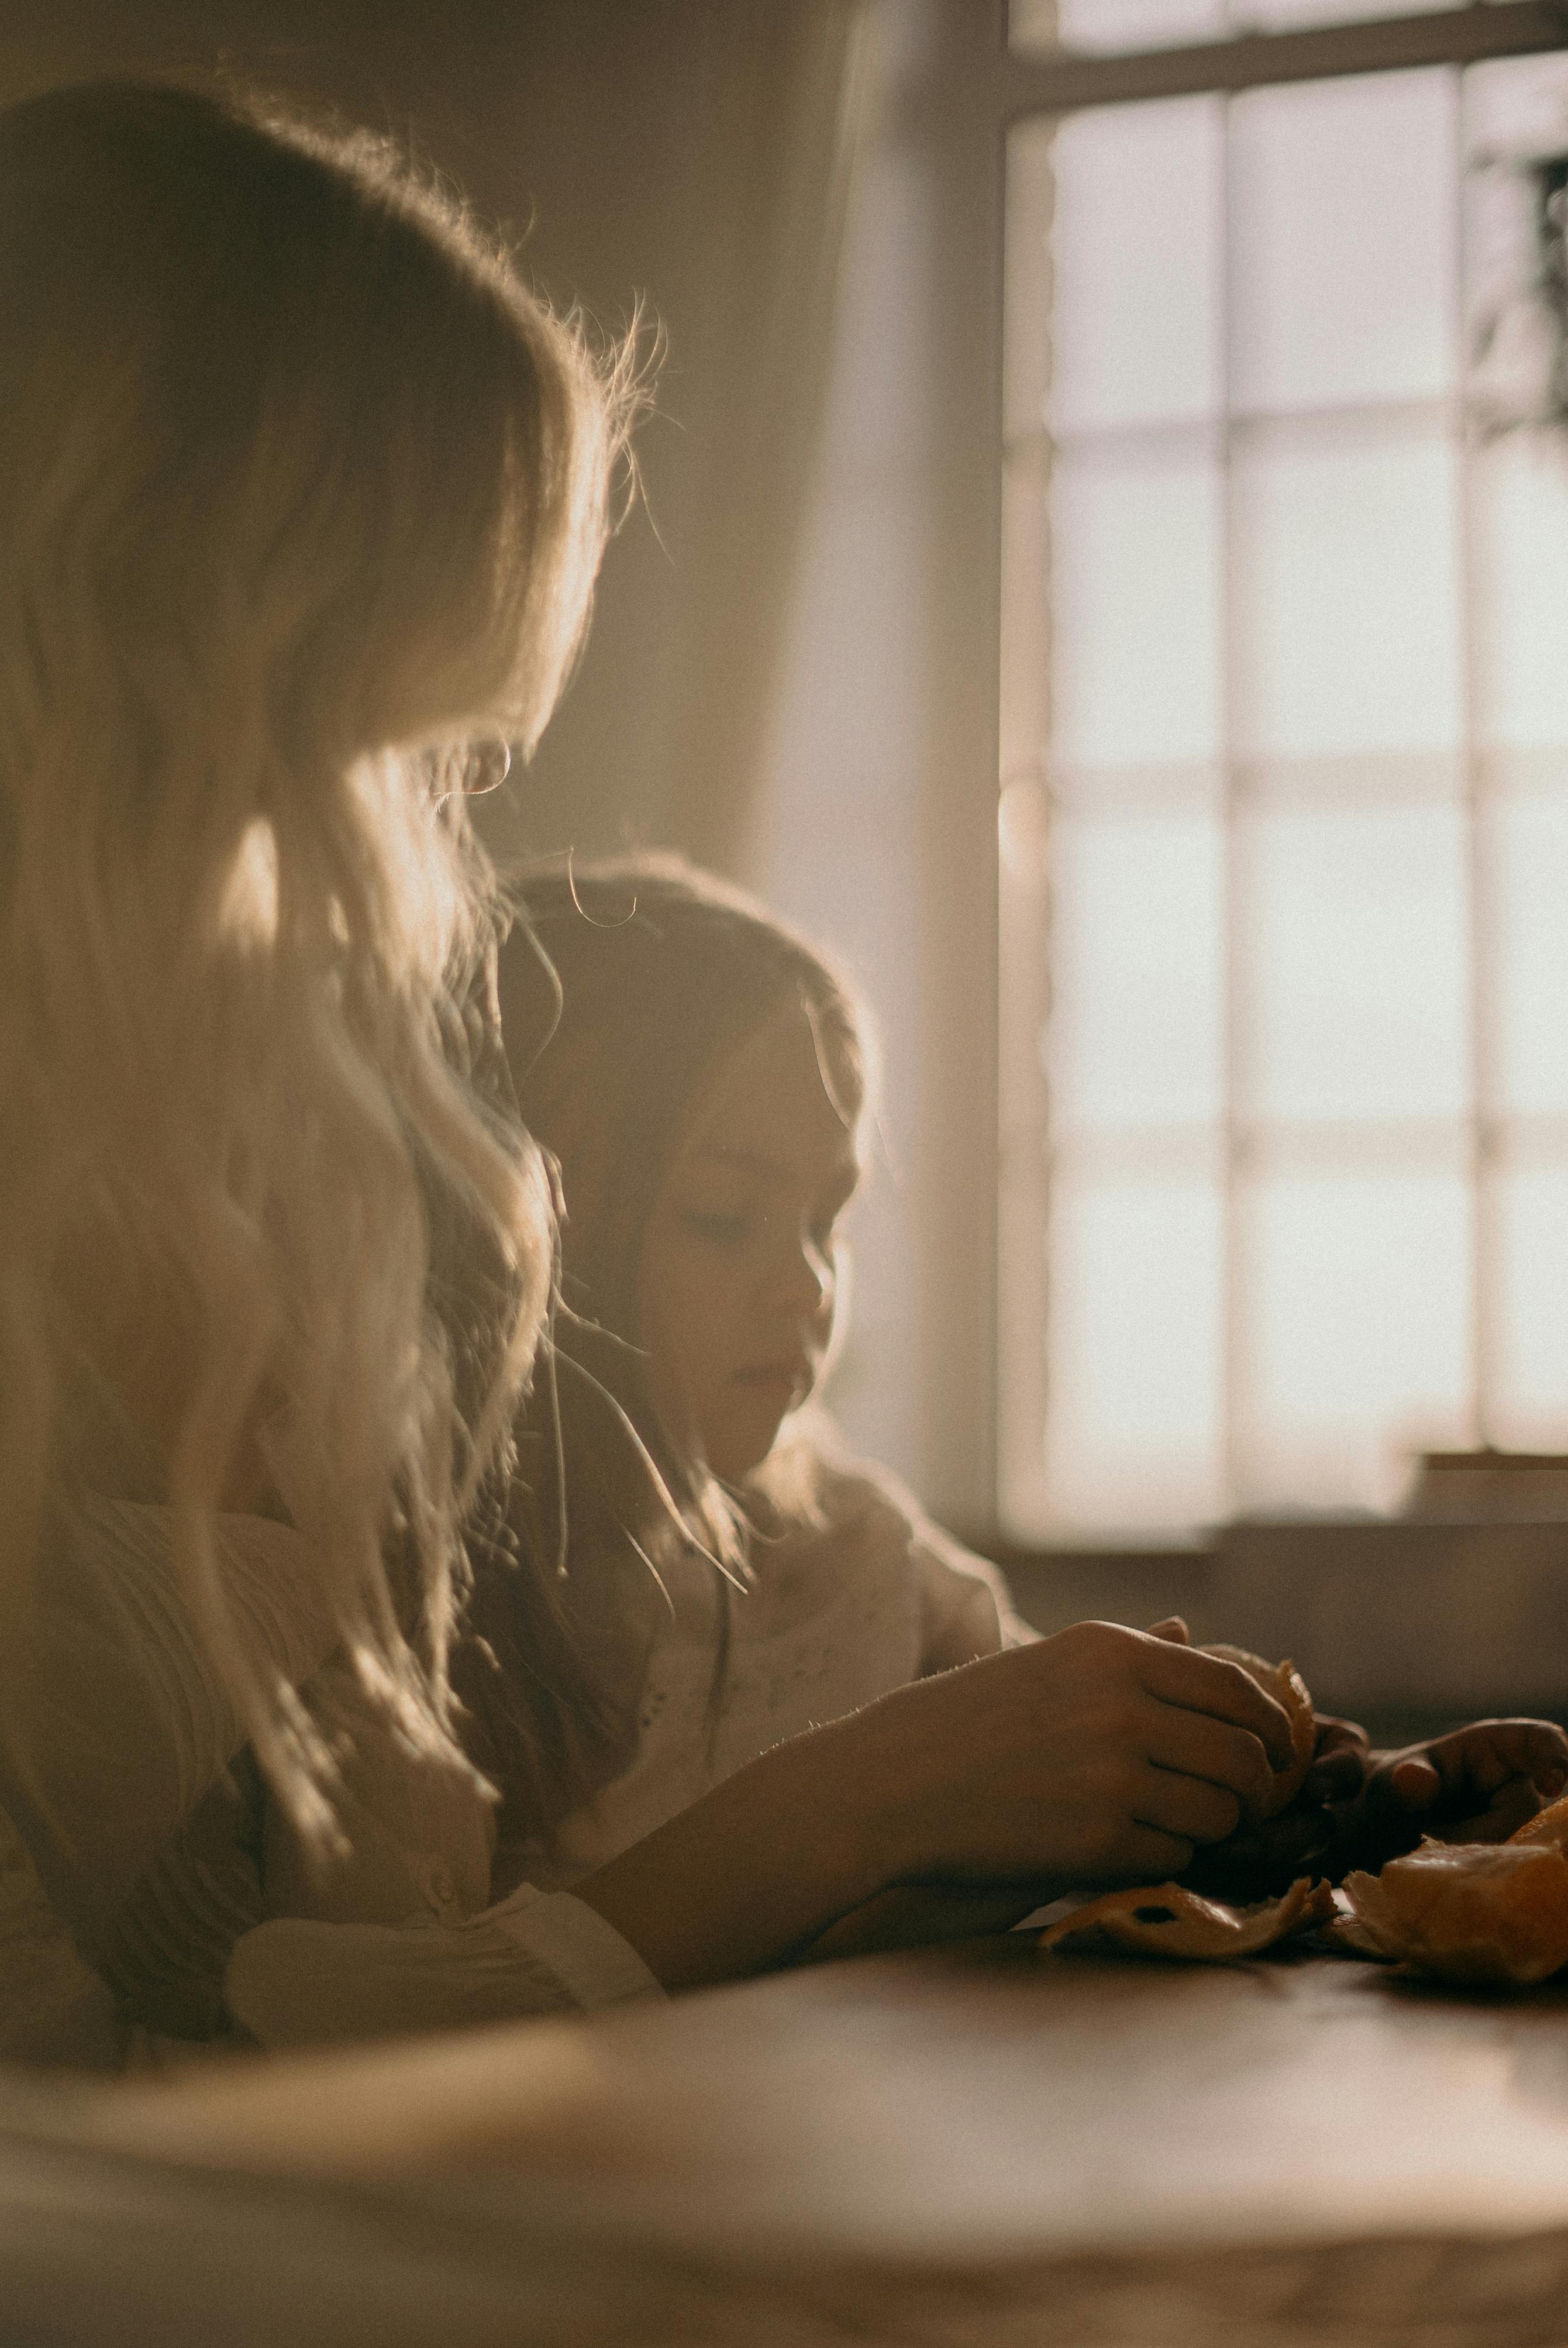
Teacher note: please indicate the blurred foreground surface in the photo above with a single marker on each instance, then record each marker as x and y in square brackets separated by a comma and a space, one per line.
[986, 2146]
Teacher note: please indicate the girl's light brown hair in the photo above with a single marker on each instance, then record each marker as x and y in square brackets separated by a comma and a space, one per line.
[301, 495]
[624, 987]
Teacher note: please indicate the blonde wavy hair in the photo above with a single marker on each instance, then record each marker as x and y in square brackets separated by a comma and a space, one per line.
[302, 496]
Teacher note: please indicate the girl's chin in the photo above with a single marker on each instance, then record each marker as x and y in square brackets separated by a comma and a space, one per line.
[754, 1413]
[737, 1464]
[744, 1452]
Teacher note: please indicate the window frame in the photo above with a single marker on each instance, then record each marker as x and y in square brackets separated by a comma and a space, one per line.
[1026, 87]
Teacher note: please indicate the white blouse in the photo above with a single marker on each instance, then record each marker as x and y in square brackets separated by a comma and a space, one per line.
[870, 1598]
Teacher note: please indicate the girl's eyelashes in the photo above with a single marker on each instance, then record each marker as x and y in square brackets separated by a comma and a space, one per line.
[733, 1226]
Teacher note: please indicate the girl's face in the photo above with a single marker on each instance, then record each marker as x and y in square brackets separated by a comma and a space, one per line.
[741, 1261]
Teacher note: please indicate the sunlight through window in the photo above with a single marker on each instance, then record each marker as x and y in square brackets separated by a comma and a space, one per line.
[1285, 853]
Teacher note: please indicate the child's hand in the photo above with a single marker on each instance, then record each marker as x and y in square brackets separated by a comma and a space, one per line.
[1342, 1760]
[1259, 1861]
[1339, 1763]
[1100, 1755]
[1478, 1784]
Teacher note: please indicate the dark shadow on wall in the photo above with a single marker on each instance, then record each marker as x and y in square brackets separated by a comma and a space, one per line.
[687, 155]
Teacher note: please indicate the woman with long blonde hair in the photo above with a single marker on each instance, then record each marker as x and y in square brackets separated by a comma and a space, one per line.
[301, 496]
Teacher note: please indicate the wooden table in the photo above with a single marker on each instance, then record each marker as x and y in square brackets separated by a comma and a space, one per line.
[987, 2147]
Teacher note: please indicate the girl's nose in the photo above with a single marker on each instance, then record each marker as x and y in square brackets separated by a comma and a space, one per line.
[806, 1280]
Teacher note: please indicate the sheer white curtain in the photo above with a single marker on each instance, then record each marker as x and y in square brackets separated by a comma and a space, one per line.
[876, 825]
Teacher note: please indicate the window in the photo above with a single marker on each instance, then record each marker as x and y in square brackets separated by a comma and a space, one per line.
[1283, 826]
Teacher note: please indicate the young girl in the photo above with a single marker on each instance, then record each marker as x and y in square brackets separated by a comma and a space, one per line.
[301, 493]
[705, 1082]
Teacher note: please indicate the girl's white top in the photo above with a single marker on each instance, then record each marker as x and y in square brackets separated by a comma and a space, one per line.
[871, 1597]
[419, 1927]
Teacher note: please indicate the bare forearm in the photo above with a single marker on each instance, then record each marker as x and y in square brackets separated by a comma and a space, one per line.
[762, 1863]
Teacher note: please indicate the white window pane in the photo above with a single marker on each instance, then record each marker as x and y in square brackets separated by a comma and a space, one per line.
[1527, 838]
[1342, 226]
[1134, 1035]
[1136, 598]
[1516, 105]
[1106, 26]
[1355, 925]
[1514, 108]
[1520, 603]
[1134, 1353]
[1280, 16]
[1345, 597]
[1100, 27]
[1357, 1333]
[1532, 1408]
[1136, 232]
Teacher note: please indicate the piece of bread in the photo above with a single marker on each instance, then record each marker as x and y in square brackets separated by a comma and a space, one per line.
[1492, 1914]
[1162, 1920]
[1488, 1914]
[1285, 1684]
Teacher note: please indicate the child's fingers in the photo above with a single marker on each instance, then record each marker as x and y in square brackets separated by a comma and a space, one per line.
[1173, 1629]
[1145, 1855]
[1536, 1749]
[1486, 1754]
[1199, 1747]
[1339, 1763]
[1335, 1774]
[1414, 1783]
[1474, 1763]
[1189, 1808]
[1297, 1835]
[1207, 1683]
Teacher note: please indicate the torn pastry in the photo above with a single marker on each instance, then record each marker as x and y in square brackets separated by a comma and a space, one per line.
[1163, 1920]
[1285, 1684]
[1491, 1915]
